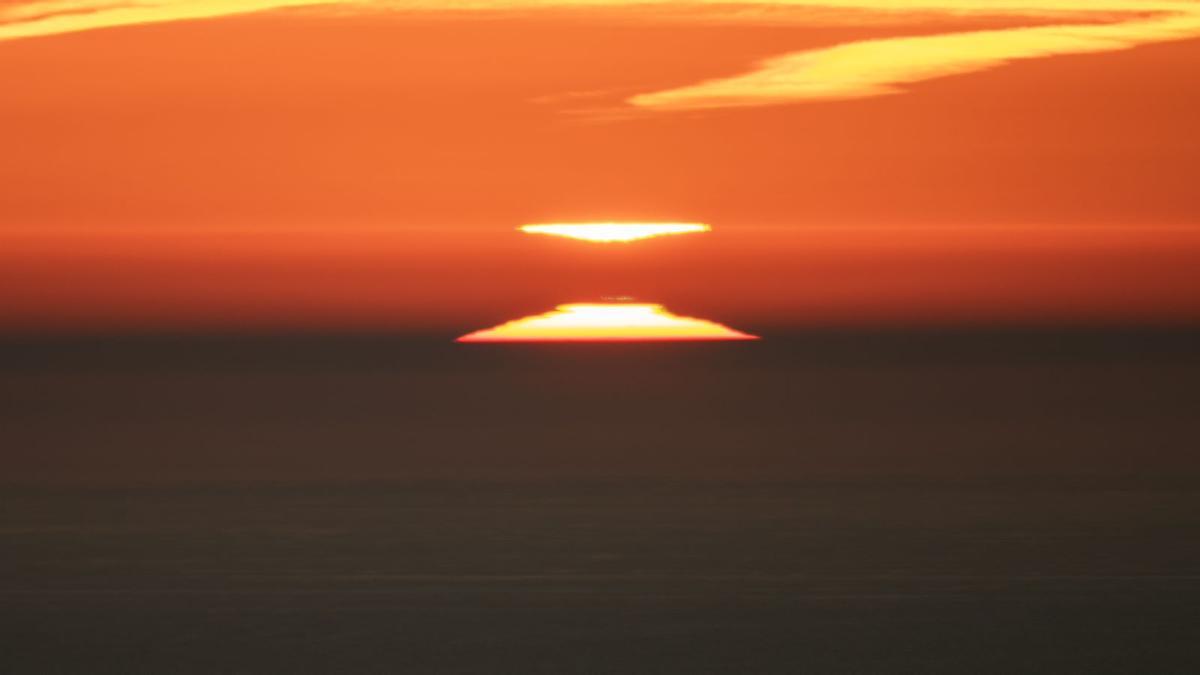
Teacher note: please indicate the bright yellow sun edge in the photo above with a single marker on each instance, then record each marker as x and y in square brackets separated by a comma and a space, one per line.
[596, 322]
[613, 232]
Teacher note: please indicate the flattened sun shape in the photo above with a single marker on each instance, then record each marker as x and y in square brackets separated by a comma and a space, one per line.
[596, 322]
[613, 232]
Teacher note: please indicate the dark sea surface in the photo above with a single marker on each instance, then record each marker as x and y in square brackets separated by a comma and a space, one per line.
[873, 504]
[968, 404]
[520, 578]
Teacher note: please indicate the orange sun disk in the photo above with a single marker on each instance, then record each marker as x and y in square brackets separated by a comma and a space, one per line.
[604, 322]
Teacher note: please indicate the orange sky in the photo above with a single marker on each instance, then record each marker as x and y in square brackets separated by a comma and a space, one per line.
[367, 169]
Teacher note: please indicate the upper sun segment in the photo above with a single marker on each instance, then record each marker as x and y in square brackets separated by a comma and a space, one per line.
[613, 232]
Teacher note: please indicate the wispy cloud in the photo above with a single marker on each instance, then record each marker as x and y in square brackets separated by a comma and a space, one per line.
[885, 66]
[32, 18]
[54, 17]
[852, 70]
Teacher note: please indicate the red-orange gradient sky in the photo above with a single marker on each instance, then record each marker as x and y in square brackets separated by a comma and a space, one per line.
[367, 170]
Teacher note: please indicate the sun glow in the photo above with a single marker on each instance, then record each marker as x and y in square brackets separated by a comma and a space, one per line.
[606, 322]
[613, 232]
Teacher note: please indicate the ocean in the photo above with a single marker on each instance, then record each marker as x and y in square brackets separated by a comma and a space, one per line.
[602, 578]
[926, 503]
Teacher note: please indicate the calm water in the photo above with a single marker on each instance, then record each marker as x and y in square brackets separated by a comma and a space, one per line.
[633, 578]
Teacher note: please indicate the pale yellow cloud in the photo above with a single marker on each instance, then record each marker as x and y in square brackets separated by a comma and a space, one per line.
[885, 66]
[55, 17]
[50, 17]
[853, 70]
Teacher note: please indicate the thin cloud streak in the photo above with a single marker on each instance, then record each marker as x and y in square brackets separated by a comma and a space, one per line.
[53, 17]
[56, 17]
[854, 70]
[885, 66]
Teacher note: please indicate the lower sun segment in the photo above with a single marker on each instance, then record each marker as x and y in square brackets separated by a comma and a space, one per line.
[606, 322]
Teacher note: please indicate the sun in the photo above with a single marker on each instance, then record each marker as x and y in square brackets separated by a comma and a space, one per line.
[613, 232]
[606, 322]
